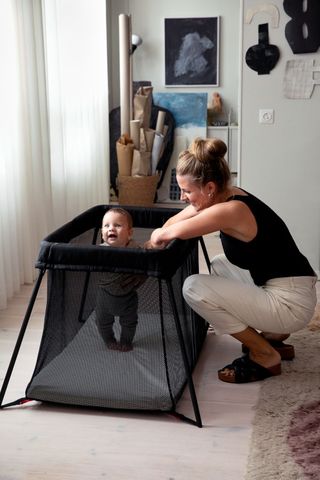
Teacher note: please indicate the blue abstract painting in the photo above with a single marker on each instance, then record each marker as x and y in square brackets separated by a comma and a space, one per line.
[188, 109]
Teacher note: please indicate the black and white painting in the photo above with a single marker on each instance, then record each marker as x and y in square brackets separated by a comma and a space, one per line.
[192, 51]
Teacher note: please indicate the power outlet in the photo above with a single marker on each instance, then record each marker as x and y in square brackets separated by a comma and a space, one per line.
[266, 115]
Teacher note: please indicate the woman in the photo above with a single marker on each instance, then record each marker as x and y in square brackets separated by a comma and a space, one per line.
[261, 283]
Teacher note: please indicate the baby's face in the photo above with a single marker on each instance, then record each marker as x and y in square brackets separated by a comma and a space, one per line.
[115, 229]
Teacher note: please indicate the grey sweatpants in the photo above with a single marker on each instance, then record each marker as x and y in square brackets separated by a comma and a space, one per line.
[123, 306]
[229, 300]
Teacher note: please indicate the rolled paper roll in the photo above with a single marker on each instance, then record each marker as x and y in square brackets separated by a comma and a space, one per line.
[156, 151]
[124, 157]
[149, 136]
[165, 130]
[124, 72]
[143, 142]
[160, 121]
[135, 133]
[141, 163]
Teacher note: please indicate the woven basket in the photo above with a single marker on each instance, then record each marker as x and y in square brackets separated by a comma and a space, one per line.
[138, 190]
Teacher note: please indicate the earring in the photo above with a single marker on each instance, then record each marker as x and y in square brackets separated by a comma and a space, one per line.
[210, 195]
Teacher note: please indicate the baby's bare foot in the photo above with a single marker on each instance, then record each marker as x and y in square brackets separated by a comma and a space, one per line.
[125, 347]
[113, 345]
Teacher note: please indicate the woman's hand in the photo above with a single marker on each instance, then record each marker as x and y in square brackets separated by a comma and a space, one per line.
[156, 240]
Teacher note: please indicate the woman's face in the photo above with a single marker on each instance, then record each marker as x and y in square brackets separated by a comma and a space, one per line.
[199, 196]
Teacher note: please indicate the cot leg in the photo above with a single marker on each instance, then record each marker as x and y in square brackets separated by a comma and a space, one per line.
[205, 253]
[194, 400]
[86, 281]
[83, 297]
[21, 335]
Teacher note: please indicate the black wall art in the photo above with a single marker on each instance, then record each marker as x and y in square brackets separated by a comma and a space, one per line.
[303, 30]
[192, 51]
[262, 57]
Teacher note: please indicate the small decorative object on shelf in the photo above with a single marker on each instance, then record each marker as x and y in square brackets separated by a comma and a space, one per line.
[220, 123]
[216, 115]
[216, 103]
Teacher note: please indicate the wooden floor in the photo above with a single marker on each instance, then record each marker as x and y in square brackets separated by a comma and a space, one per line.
[41, 442]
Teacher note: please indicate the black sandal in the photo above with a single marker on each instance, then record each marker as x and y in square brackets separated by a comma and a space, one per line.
[246, 370]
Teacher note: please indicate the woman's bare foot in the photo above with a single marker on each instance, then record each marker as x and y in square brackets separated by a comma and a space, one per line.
[277, 337]
[261, 351]
[244, 370]
[264, 358]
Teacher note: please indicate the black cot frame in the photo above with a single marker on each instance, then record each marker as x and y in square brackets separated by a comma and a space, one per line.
[53, 248]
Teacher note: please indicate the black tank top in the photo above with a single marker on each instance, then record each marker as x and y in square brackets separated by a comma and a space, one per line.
[272, 253]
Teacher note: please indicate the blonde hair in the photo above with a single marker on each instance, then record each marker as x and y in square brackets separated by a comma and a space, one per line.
[204, 161]
[123, 212]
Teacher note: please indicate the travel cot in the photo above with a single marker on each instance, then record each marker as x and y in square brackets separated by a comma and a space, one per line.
[73, 366]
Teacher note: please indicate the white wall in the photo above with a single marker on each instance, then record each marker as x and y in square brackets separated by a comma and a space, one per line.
[280, 163]
[148, 21]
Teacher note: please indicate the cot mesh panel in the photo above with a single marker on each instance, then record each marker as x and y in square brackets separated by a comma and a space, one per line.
[74, 366]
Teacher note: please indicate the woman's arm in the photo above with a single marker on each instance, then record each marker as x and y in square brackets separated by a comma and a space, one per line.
[185, 226]
[185, 213]
[233, 218]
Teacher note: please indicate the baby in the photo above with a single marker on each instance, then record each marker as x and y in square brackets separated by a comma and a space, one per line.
[117, 294]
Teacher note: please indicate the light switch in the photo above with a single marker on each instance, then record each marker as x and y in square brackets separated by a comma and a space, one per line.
[266, 115]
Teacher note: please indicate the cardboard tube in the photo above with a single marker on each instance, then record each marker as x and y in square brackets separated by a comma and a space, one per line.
[141, 163]
[165, 130]
[135, 133]
[149, 136]
[160, 121]
[130, 71]
[156, 151]
[124, 157]
[124, 67]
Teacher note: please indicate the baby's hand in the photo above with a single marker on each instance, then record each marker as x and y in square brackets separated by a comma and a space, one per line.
[154, 242]
[148, 245]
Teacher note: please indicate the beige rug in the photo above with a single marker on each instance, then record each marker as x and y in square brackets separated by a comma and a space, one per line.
[285, 442]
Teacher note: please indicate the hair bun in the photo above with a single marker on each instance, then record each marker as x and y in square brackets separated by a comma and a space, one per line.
[214, 147]
[204, 161]
[219, 147]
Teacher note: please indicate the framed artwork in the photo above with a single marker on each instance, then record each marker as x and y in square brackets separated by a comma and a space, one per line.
[192, 51]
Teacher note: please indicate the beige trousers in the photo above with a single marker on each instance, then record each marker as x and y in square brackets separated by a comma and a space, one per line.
[229, 300]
